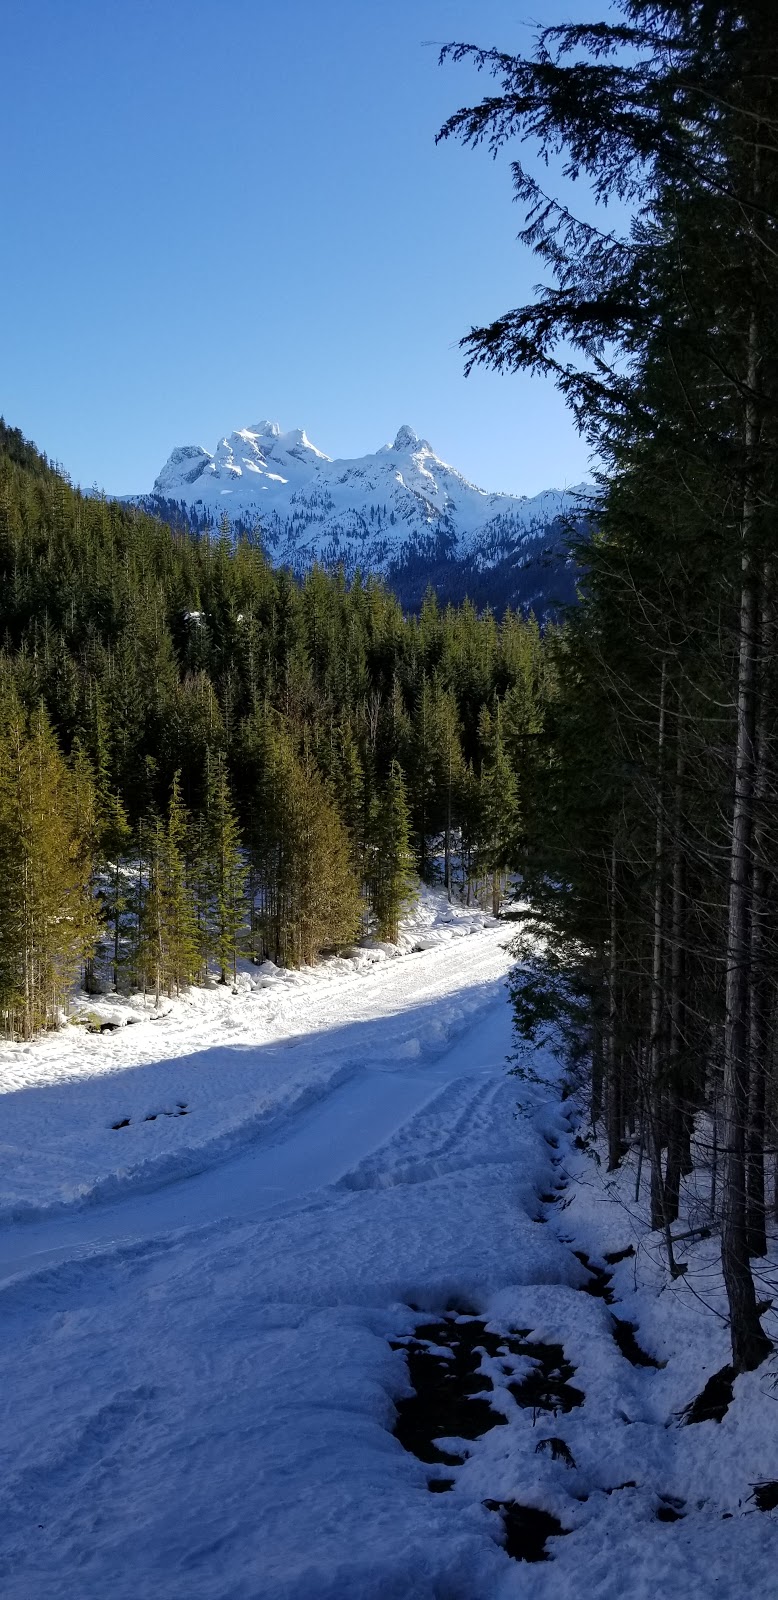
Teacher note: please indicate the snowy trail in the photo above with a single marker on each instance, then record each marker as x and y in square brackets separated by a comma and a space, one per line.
[319, 1146]
[201, 1366]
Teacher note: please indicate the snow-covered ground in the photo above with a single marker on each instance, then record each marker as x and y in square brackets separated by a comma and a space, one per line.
[204, 1315]
[190, 1081]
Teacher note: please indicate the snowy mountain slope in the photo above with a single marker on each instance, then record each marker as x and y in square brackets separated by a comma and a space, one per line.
[379, 513]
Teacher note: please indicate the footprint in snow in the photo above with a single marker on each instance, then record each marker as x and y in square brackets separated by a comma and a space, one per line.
[181, 1110]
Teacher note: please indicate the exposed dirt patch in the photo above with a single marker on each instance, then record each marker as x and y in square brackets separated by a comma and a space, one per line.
[713, 1402]
[670, 1509]
[600, 1281]
[445, 1368]
[624, 1334]
[766, 1495]
[548, 1387]
[527, 1529]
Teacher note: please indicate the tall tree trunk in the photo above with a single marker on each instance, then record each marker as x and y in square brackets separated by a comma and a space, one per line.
[655, 1086]
[749, 1343]
[612, 1054]
[447, 841]
[679, 1111]
[759, 997]
[598, 1070]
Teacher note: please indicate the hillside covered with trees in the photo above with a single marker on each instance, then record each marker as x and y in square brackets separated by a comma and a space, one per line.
[201, 756]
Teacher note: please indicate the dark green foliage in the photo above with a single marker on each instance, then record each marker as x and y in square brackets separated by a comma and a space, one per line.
[166, 658]
[391, 879]
[223, 873]
[47, 826]
[648, 812]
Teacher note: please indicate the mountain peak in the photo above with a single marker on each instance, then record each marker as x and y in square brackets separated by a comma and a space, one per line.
[263, 430]
[373, 513]
[406, 439]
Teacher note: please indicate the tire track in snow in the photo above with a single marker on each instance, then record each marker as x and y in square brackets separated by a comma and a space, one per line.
[319, 1145]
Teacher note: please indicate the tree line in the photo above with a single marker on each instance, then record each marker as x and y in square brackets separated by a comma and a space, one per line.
[201, 756]
[652, 848]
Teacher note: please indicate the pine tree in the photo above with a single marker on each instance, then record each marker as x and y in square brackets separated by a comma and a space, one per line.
[150, 951]
[226, 873]
[497, 809]
[49, 925]
[115, 890]
[393, 876]
[168, 946]
[665, 342]
[84, 808]
[301, 853]
[183, 952]
[326, 889]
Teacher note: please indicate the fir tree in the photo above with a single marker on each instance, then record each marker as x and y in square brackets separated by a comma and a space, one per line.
[115, 888]
[497, 808]
[665, 342]
[226, 873]
[393, 876]
[49, 924]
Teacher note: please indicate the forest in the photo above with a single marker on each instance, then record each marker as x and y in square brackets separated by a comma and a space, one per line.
[652, 866]
[202, 757]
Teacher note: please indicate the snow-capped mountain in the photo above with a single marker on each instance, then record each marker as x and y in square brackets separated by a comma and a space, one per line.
[401, 510]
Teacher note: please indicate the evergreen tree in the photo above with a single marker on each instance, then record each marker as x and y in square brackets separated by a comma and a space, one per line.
[168, 948]
[497, 807]
[309, 894]
[48, 926]
[183, 945]
[665, 342]
[114, 890]
[225, 874]
[393, 877]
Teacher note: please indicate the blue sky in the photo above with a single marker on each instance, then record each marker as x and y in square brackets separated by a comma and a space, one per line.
[215, 213]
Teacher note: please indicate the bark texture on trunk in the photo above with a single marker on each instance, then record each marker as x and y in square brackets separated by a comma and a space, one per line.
[615, 1119]
[749, 1342]
[656, 1086]
[759, 977]
[679, 1117]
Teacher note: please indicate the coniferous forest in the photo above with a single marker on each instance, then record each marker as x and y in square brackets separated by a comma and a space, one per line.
[202, 757]
[343, 1255]
[652, 866]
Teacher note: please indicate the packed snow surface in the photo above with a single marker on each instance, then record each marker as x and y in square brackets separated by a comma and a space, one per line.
[224, 1221]
[369, 512]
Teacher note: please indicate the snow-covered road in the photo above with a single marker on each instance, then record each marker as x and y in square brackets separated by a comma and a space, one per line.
[203, 1313]
[196, 1375]
[327, 1137]
[87, 1117]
